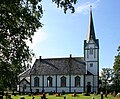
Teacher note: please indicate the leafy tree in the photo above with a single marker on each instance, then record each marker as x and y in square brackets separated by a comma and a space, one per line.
[116, 80]
[106, 77]
[66, 4]
[117, 61]
[19, 20]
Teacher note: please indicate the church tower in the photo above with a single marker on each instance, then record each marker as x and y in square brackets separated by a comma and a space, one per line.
[91, 54]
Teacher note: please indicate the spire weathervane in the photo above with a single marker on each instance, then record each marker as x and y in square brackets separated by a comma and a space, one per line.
[90, 8]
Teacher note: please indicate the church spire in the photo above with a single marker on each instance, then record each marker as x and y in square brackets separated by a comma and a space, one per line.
[91, 32]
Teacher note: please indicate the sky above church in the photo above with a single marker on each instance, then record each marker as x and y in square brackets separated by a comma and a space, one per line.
[64, 34]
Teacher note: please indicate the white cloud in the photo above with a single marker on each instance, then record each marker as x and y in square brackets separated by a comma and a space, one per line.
[38, 37]
[84, 7]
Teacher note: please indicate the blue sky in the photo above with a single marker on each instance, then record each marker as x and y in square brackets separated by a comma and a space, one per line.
[64, 34]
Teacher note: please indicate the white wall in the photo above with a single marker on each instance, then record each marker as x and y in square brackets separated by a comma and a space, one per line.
[94, 69]
[95, 83]
[88, 78]
[22, 85]
[59, 88]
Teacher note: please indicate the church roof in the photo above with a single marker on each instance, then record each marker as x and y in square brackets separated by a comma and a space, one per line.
[89, 73]
[25, 73]
[51, 66]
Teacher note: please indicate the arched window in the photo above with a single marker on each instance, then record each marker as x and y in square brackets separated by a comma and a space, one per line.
[49, 81]
[63, 81]
[77, 81]
[36, 82]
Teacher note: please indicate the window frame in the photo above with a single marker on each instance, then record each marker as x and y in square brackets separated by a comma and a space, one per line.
[77, 81]
[49, 81]
[63, 81]
[36, 82]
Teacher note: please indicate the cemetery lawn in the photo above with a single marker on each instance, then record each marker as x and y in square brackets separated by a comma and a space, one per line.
[68, 96]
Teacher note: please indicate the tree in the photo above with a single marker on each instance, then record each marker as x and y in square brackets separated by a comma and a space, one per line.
[106, 76]
[19, 20]
[66, 4]
[117, 61]
[116, 67]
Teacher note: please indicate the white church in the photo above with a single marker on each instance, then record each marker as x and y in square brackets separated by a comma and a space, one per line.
[69, 74]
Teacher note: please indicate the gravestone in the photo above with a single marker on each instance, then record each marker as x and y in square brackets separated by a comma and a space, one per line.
[33, 97]
[9, 97]
[101, 95]
[114, 94]
[118, 95]
[1, 97]
[93, 98]
[44, 96]
[64, 97]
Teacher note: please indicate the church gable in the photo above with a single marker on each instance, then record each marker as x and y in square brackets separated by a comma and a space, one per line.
[59, 66]
[24, 81]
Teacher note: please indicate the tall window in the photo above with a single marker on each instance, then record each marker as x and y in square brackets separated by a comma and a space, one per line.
[24, 86]
[36, 82]
[49, 81]
[77, 81]
[91, 51]
[63, 81]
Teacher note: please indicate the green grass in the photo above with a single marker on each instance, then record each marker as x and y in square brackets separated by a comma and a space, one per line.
[68, 96]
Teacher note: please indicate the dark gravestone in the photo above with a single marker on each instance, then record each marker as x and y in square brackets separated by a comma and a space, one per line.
[44, 96]
[106, 93]
[58, 95]
[93, 98]
[51, 93]
[43, 91]
[9, 97]
[1, 97]
[63, 92]
[114, 94]
[64, 97]
[33, 97]
[86, 94]
[101, 95]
